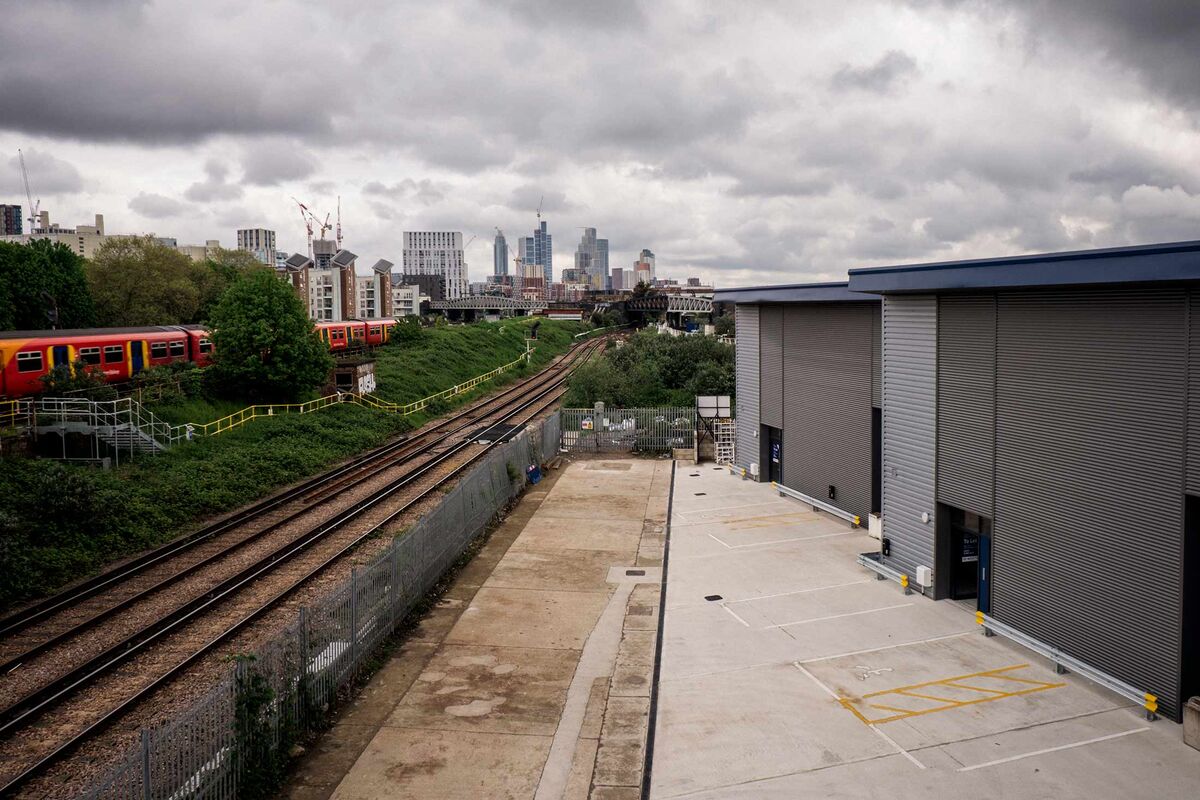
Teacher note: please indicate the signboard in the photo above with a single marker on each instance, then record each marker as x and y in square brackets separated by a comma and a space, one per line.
[586, 424]
[713, 406]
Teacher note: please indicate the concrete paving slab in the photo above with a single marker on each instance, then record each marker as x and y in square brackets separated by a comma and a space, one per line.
[493, 689]
[752, 685]
[561, 570]
[412, 762]
[568, 533]
[529, 618]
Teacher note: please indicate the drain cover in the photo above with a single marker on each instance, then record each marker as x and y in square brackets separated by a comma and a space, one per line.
[712, 597]
[635, 572]
[701, 494]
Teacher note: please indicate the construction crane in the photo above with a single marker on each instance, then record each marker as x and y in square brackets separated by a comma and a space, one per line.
[339, 223]
[541, 201]
[468, 244]
[324, 226]
[33, 207]
[306, 215]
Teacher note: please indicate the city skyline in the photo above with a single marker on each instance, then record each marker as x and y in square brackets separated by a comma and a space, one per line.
[762, 143]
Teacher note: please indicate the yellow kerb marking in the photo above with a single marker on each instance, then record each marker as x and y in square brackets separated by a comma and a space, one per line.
[891, 696]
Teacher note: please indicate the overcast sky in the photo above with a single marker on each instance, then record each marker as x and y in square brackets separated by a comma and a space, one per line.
[745, 142]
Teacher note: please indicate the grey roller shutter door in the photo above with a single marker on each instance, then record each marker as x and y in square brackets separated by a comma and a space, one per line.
[966, 402]
[909, 425]
[827, 403]
[771, 366]
[1090, 412]
[746, 411]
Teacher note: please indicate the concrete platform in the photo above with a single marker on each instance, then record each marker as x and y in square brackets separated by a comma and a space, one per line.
[809, 678]
[531, 677]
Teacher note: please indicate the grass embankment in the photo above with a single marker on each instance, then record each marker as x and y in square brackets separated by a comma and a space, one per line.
[59, 522]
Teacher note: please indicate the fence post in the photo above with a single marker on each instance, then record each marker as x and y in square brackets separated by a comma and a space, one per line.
[354, 622]
[302, 684]
[147, 793]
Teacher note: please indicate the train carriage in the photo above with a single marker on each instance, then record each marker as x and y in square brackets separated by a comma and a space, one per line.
[119, 353]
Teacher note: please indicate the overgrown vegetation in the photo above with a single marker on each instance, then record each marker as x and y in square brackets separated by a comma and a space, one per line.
[42, 283]
[59, 522]
[652, 369]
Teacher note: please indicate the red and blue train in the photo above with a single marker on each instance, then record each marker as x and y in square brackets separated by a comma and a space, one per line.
[121, 353]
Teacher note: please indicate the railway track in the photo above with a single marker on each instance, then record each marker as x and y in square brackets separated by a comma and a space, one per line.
[43, 725]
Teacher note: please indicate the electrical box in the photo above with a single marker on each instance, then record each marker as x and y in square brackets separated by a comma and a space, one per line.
[754, 468]
[924, 576]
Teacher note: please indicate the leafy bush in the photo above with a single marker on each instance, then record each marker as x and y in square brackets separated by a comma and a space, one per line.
[654, 370]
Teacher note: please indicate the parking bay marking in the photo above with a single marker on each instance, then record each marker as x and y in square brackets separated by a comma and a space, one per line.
[894, 698]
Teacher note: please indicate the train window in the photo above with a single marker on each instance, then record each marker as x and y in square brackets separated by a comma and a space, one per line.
[114, 354]
[374, 330]
[205, 346]
[29, 362]
[158, 349]
[356, 333]
[178, 349]
[89, 355]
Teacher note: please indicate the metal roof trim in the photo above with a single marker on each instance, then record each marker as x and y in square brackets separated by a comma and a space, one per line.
[1152, 263]
[837, 292]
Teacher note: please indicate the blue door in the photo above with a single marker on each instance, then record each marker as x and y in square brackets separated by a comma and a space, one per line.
[985, 574]
[62, 355]
[135, 357]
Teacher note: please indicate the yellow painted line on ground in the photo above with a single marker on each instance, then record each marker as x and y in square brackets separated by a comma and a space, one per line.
[989, 695]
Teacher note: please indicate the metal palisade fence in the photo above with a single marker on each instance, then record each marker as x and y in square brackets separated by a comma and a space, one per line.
[235, 740]
[622, 430]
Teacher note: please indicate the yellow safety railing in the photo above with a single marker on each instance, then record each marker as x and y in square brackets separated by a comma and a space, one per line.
[12, 412]
[239, 418]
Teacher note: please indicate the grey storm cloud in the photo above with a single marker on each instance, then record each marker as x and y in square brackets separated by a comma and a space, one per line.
[893, 68]
[156, 206]
[48, 174]
[270, 163]
[214, 187]
[750, 141]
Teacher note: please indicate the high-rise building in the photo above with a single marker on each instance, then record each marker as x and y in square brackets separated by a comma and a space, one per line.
[260, 242]
[646, 257]
[437, 253]
[500, 254]
[375, 291]
[10, 220]
[617, 279]
[539, 249]
[643, 269]
[591, 259]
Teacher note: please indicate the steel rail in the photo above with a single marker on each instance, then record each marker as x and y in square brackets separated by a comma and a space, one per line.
[88, 672]
[407, 449]
[98, 583]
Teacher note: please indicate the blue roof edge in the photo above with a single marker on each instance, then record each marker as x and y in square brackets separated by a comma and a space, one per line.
[1150, 263]
[793, 293]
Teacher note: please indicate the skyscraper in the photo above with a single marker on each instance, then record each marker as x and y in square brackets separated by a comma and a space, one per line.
[591, 257]
[437, 253]
[539, 249]
[500, 254]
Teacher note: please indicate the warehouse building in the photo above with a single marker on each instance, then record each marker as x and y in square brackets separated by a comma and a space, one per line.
[808, 393]
[1041, 449]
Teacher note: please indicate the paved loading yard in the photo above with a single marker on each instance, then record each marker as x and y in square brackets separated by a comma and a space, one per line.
[532, 676]
[809, 678]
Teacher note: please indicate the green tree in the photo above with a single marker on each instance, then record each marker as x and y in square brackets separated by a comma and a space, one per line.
[724, 325]
[651, 369]
[224, 268]
[38, 277]
[138, 281]
[265, 345]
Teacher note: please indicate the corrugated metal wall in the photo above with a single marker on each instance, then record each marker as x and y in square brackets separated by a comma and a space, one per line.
[770, 322]
[877, 355]
[966, 401]
[1090, 409]
[909, 424]
[1193, 422]
[827, 402]
[746, 450]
